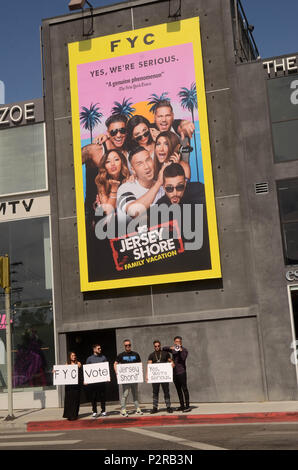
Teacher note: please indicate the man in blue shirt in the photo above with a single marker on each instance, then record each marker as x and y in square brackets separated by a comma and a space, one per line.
[97, 390]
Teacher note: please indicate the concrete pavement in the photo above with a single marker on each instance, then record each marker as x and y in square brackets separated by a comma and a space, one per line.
[50, 419]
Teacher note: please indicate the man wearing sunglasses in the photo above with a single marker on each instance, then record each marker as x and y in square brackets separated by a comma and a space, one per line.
[128, 357]
[179, 192]
[116, 130]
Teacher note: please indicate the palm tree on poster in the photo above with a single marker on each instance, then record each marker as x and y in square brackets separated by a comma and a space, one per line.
[189, 101]
[90, 117]
[155, 100]
[123, 108]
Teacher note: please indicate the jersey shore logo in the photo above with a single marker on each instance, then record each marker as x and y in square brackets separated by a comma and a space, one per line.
[147, 246]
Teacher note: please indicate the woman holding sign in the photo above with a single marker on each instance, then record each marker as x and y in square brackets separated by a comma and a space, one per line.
[72, 392]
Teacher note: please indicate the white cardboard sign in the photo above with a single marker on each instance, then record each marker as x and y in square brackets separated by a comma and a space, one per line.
[130, 373]
[159, 373]
[66, 375]
[95, 373]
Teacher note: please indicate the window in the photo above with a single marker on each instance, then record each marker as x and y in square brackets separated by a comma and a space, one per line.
[27, 243]
[283, 101]
[287, 191]
[22, 159]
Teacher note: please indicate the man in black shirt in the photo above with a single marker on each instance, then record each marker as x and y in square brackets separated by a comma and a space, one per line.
[97, 390]
[128, 357]
[160, 356]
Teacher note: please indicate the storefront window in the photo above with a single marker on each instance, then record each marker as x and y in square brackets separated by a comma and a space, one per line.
[283, 101]
[27, 243]
[22, 159]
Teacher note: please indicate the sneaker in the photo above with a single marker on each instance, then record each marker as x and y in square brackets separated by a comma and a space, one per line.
[123, 413]
[187, 409]
[153, 411]
[94, 415]
[103, 413]
[181, 408]
[139, 411]
[169, 410]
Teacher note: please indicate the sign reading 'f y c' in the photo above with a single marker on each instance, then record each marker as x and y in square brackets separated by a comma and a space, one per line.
[2, 92]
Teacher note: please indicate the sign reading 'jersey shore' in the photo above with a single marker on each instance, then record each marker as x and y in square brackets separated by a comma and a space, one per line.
[143, 174]
[130, 373]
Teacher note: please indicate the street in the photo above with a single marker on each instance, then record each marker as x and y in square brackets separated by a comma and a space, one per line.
[188, 439]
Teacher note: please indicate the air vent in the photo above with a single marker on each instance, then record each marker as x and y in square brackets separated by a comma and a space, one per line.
[262, 188]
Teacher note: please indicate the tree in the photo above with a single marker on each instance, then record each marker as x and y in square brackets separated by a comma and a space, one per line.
[155, 100]
[90, 117]
[124, 108]
[189, 101]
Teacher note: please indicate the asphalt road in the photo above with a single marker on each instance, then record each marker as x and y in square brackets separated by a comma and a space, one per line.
[189, 438]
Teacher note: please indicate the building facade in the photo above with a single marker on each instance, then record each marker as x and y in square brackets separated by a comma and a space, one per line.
[25, 234]
[239, 326]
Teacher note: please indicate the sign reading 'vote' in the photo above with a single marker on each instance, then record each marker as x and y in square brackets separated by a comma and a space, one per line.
[94, 373]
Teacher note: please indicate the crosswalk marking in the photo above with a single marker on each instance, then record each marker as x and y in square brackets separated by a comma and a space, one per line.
[178, 440]
[28, 435]
[38, 443]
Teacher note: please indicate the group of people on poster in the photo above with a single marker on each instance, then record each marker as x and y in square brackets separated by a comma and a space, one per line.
[176, 355]
[131, 169]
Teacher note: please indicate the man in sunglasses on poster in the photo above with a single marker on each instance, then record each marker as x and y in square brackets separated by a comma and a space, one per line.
[193, 216]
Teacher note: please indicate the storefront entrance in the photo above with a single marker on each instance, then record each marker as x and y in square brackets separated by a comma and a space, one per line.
[81, 343]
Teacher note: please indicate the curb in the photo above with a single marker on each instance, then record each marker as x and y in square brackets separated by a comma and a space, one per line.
[104, 423]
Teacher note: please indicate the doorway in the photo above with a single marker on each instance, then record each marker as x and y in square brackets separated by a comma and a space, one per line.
[81, 342]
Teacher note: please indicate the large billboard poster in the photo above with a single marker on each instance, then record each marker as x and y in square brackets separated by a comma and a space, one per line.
[143, 176]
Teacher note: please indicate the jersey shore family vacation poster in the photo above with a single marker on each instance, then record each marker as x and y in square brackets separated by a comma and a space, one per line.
[143, 175]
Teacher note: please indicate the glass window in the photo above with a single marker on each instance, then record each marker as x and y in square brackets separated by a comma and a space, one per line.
[287, 192]
[22, 159]
[283, 102]
[285, 140]
[27, 243]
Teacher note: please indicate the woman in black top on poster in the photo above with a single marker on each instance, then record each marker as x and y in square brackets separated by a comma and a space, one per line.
[72, 392]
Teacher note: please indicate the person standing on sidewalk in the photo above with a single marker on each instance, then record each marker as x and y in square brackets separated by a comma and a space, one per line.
[97, 390]
[73, 392]
[158, 356]
[179, 377]
[128, 357]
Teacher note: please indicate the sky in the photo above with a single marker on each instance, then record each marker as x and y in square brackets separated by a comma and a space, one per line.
[274, 21]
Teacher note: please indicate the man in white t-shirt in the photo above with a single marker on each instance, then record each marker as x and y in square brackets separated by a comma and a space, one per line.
[134, 198]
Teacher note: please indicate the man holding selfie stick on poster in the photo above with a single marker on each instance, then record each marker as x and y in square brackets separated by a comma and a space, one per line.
[159, 356]
[179, 377]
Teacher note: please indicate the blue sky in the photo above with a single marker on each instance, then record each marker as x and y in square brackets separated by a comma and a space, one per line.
[275, 33]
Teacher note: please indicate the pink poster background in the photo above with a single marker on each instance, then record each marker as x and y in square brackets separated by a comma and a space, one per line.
[105, 82]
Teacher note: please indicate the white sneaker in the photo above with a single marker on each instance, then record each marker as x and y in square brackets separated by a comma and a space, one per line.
[94, 415]
[139, 411]
[103, 413]
[123, 413]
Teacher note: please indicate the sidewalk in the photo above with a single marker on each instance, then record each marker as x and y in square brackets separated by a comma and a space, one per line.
[50, 419]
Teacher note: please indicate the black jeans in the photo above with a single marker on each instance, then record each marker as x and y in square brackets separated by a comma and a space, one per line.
[166, 392]
[97, 393]
[180, 382]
